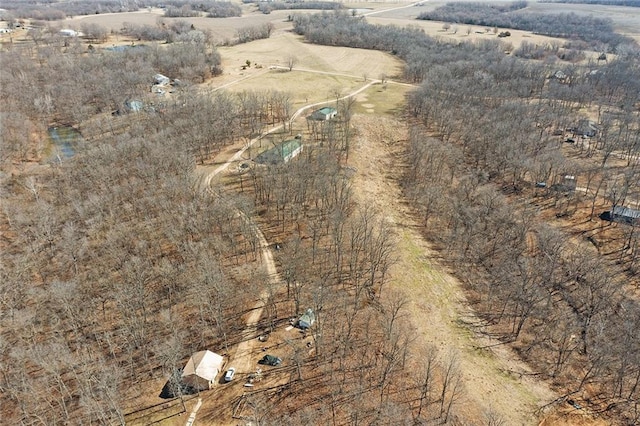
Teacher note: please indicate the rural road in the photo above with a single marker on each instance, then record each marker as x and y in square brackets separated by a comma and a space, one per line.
[242, 360]
[375, 12]
[206, 181]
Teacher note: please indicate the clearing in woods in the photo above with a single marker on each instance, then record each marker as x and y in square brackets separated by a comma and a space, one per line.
[494, 378]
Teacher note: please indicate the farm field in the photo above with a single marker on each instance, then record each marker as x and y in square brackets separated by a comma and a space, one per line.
[319, 72]
[626, 20]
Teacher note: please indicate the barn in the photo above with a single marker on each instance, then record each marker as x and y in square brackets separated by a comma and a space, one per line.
[202, 369]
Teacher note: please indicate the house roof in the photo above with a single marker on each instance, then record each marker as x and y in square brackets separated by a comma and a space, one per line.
[626, 212]
[205, 364]
[308, 317]
[278, 153]
[134, 105]
[327, 110]
[289, 146]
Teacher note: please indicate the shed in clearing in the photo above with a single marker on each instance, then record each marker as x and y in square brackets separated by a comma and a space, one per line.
[326, 113]
[281, 153]
[307, 319]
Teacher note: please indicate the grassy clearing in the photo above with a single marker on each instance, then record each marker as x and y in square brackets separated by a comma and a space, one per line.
[382, 99]
[305, 87]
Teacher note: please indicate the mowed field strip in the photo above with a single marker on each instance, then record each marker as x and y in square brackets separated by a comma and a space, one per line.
[494, 379]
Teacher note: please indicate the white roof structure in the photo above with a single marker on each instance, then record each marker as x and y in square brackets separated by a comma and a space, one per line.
[161, 80]
[202, 369]
[67, 32]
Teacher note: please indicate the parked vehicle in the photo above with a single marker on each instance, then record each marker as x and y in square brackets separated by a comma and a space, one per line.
[231, 372]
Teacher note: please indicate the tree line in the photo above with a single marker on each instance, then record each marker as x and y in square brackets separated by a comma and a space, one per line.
[628, 3]
[267, 6]
[59, 10]
[212, 9]
[485, 131]
[596, 32]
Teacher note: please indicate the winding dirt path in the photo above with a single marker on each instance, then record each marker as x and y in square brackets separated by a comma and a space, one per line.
[242, 359]
[243, 356]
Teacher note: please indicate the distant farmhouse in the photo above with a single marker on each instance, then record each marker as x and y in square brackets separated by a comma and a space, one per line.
[67, 32]
[282, 153]
[326, 113]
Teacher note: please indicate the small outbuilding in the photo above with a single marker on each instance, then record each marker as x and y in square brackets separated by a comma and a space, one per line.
[270, 360]
[625, 215]
[281, 153]
[133, 105]
[306, 320]
[202, 369]
[585, 128]
[326, 113]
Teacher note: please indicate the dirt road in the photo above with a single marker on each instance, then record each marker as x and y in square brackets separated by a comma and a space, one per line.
[243, 358]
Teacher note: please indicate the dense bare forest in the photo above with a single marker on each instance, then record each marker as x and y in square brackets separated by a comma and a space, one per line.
[115, 264]
[484, 131]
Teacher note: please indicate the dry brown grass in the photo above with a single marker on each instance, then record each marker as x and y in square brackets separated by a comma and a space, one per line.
[492, 377]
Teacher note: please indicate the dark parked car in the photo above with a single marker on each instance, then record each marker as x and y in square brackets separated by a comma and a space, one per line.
[270, 360]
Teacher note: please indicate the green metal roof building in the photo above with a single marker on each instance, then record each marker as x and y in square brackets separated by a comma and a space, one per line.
[326, 113]
[281, 153]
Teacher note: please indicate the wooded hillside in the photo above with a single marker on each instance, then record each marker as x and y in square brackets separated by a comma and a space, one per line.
[117, 262]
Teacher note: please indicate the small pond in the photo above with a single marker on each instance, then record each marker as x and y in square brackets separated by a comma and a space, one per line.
[64, 140]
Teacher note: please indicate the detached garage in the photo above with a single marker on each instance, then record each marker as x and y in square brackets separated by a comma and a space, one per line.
[202, 369]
